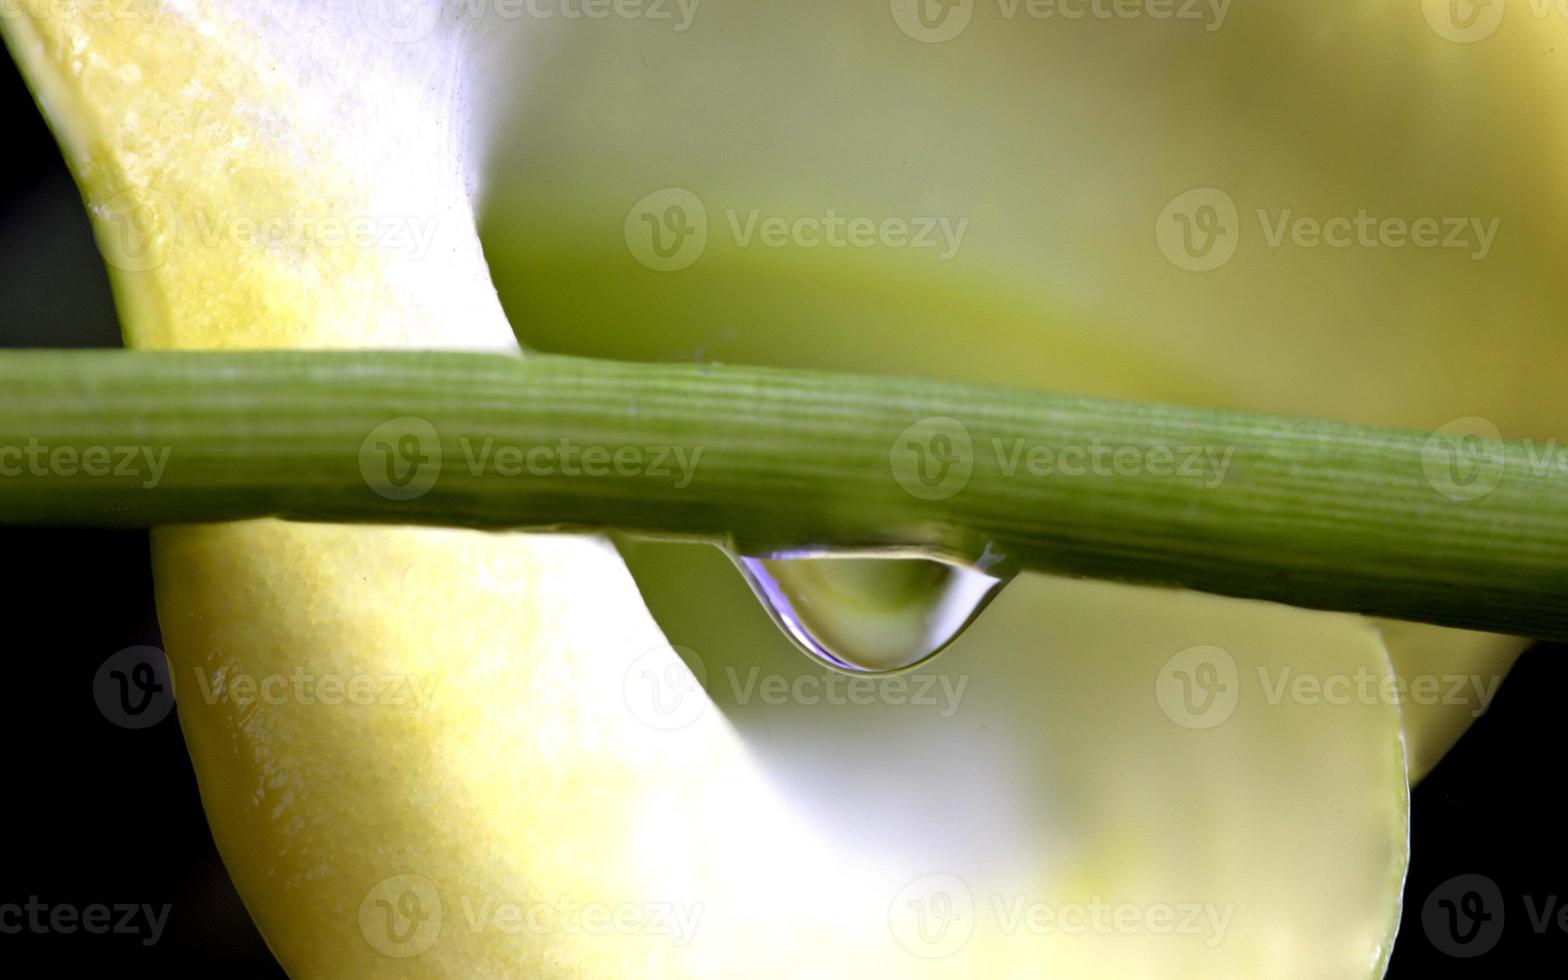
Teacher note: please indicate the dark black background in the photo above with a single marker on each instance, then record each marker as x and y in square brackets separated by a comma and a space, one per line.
[94, 813]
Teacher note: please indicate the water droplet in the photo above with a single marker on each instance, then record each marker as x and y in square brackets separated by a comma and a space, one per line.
[870, 614]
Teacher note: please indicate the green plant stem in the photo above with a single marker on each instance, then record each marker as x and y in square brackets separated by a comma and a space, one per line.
[1310, 513]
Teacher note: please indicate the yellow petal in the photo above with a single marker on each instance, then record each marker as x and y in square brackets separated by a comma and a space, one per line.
[228, 154]
[1450, 677]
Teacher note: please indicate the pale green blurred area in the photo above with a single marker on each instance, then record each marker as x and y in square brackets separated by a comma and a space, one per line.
[1061, 142]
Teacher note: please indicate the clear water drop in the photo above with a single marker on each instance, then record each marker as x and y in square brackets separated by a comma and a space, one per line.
[870, 614]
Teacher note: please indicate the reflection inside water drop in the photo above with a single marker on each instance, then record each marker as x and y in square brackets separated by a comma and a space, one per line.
[869, 614]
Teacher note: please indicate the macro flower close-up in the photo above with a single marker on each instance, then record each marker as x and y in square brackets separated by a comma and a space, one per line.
[814, 490]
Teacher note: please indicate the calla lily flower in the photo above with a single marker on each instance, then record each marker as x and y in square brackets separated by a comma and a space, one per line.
[588, 762]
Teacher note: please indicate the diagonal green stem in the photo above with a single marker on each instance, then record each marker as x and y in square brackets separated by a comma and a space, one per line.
[1463, 532]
